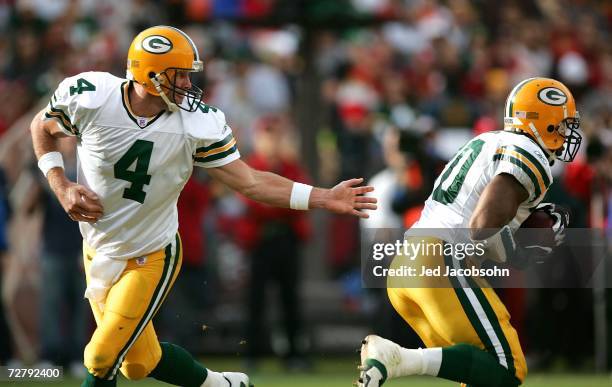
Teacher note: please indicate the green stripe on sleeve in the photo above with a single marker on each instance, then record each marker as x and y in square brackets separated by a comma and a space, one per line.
[524, 167]
[534, 160]
[72, 128]
[61, 122]
[58, 110]
[216, 156]
[216, 145]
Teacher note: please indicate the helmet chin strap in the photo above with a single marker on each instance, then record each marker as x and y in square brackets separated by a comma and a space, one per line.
[551, 155]
[171, 105]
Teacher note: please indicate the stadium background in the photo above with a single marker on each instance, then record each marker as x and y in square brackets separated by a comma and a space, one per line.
[319, 90]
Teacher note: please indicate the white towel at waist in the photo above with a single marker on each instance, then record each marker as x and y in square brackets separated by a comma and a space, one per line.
[103, 273]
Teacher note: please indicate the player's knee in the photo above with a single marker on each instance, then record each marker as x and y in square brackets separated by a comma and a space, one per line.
[135, 371]
[139, 365]
[98, 358]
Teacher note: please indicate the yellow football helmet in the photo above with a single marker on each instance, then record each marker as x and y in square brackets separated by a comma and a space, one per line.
[154, 58]
[545, 110]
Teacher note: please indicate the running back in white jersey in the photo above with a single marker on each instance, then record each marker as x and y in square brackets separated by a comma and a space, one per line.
[458, 188]
[137, 165]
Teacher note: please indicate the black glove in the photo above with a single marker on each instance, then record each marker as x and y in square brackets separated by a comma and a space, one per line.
[526, 256]
[561, 216]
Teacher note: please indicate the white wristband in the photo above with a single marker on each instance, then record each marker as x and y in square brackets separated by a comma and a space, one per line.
[50, 160]
[300, 194]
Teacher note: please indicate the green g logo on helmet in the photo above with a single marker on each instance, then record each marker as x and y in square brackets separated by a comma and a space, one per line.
[156, 44]
[552, 96]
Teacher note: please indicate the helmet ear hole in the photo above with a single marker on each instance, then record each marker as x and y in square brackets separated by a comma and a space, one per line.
[550, 128]
[151, 74]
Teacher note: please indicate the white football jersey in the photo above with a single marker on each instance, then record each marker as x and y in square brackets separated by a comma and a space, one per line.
[464, 178]
[137, 165]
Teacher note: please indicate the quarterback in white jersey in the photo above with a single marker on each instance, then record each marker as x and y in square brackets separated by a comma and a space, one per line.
[138, 140]
[136, 165]
[483, 195]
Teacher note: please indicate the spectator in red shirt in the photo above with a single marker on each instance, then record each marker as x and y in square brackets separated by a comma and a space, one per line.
[273, 238]
[188, 299]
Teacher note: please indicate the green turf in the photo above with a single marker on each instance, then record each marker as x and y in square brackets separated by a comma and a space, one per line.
[339, 373]
[344, 380]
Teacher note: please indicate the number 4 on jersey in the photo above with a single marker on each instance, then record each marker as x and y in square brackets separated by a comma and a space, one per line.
[140, 153]
[81, 86]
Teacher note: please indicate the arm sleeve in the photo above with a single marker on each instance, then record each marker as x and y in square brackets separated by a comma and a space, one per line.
[218, 146]
[529, 170]
[64, 107]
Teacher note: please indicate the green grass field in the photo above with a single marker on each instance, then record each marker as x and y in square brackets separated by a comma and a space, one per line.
[339, 373]
[344, 380]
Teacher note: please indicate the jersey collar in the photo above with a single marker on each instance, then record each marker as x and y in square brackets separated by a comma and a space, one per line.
[141, 122]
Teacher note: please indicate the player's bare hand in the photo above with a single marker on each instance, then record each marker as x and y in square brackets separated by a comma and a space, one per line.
[347, 198]
[80, 203]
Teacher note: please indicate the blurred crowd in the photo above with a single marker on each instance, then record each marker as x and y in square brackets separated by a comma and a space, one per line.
[315, 90]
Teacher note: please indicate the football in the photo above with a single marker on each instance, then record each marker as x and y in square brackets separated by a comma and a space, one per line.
[539, 219]
[536, 230]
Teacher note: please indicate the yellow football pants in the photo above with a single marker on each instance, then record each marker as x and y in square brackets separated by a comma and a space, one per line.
[449, 311]
[124, 337]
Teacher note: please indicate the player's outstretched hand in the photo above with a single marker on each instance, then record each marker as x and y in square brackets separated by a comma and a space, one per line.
[80, 203]
[347, 198]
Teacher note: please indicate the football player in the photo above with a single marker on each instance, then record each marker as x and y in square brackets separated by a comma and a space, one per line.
[487, 190]
[138, 140]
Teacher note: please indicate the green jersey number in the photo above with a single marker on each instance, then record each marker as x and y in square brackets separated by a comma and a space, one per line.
[140, 154]
[454, 174]
[204, 108]
[81, 86]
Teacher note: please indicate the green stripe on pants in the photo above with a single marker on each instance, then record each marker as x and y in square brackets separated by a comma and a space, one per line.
[156, 298]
